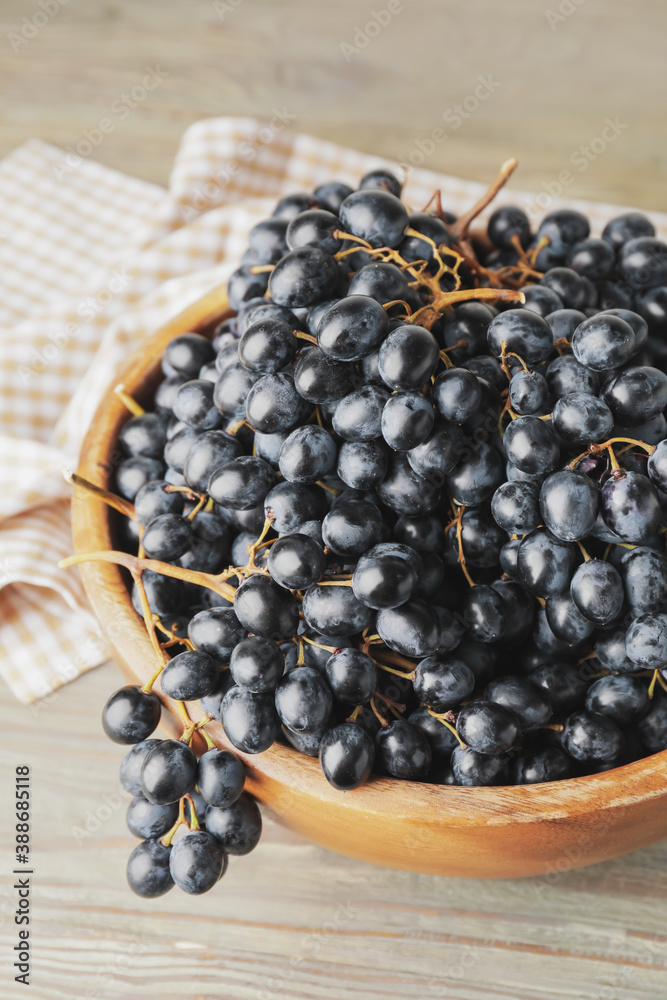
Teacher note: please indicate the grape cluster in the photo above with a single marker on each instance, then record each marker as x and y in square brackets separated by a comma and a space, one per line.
[405, 510]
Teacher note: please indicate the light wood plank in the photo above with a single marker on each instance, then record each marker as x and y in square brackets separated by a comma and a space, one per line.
[292, 918]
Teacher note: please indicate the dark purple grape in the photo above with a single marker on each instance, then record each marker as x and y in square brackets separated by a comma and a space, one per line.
[531, 445]
[407, 420]
[507, 222]
[236, 827]
[569, 504]
[197, 862]
[487, 727]
[303, 277]
[169, 771]
[580, 418]
[267, 346]
[216, 631]
[477, 475]
[296, 561]
[628, 226]
[646, 641]
[591, 737]
[566, 375]
[220, 777]
[130, 768]
[630, 506]
[383, 579]
[320, 379]
[352, 328]
[362, 465]
[148, 872]
[483, 611]
[603, 342]
[412, 630]
[190, 676]
[266, 609]
[529, 702]
[437, 456]
[545, 563]
[290, 505]
[472, 768]
[402, 751]
[406, 492]
[307, 455]
[347, 754]
[334, 610]
[167, 537]
[352, 527]
[130, 715]
[314, 228]
[541, 299]
[457, 395]
[257, 664]
[408, 357]
[524, 332]
[249, 719]
[352, 676]
[273, 404]
[358, 417]
[292, 205]
[636, 395]
[443, 682]
[266, 239]
[332, 194]
[304, 700]
[466, 327]
[566, 620]
[148, 820]
[652, 729]
[133, 473]
[528, 393]
[597, 590]
[622, 698]
[374, 215]
[643, 262]
[539, 766]
[644, 575]
[565, 685]
[516, 507]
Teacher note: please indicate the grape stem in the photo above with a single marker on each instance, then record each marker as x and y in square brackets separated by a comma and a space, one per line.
[169, 836]
[458, 520]
[194, 727]
[133, 563]
[391, 670]
[440, 716]
[194, 821]
[118, 503]
[459, 229]
[128, 401]
[378, 714]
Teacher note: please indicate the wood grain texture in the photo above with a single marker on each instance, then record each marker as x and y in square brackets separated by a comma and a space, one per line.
[292, 921]
[477, 832]
[555, 82]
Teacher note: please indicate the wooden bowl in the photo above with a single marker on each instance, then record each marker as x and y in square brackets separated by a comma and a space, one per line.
[439, 830]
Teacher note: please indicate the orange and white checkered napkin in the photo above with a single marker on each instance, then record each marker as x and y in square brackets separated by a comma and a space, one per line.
[91, 262]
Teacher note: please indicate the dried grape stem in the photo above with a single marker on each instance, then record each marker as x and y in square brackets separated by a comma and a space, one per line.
[132, 563]
[460, 228]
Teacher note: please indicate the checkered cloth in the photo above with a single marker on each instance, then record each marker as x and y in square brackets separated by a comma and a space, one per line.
[92, 262]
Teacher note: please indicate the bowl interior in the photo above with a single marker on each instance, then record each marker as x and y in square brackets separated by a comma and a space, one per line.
[490, 831]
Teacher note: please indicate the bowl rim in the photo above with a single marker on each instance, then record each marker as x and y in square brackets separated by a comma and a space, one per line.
[282, 765]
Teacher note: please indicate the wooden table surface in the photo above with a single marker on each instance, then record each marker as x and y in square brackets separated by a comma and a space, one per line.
[293, 921]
